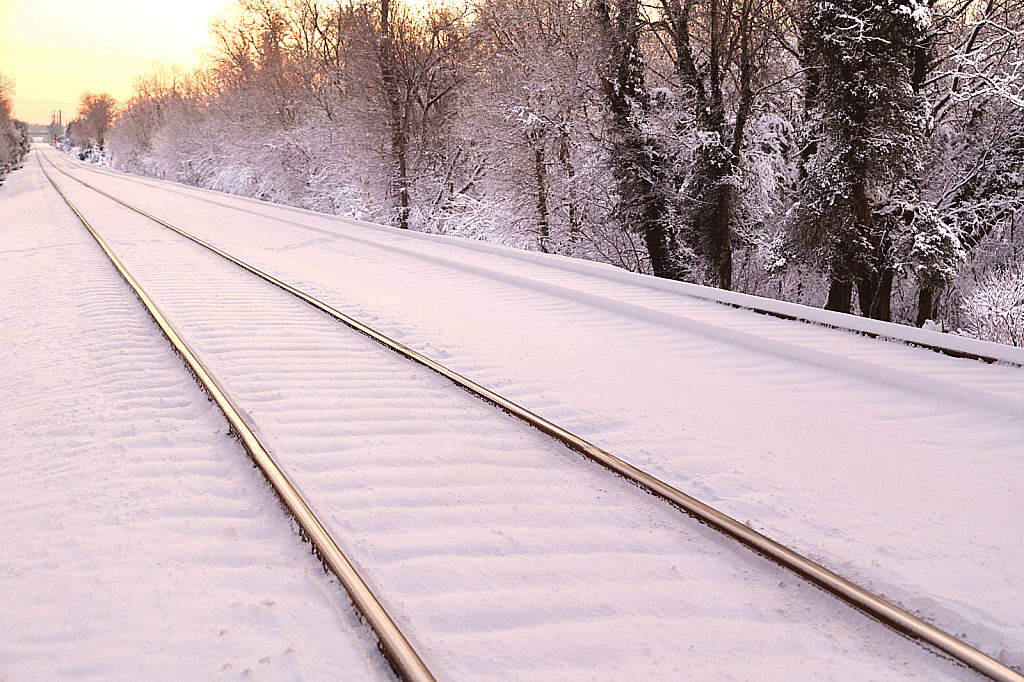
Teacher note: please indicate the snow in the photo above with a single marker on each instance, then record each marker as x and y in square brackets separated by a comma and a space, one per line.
[137, 543]
[505, 556]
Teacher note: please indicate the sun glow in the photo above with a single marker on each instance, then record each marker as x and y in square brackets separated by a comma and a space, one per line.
[57, 49]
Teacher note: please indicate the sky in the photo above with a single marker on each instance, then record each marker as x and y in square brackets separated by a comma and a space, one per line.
[57, 49]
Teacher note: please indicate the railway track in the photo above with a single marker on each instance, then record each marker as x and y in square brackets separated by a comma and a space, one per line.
[405, 661]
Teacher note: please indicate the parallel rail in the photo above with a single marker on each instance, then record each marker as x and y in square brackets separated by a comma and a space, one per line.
[858, 597]
[393, 644]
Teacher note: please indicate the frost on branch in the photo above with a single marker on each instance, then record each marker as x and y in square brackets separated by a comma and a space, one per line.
[936, 251]
[995, 311]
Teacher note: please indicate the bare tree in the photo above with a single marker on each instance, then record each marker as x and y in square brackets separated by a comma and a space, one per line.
[973, 73]
[6, 93]
[537, 98]
[96, 113]
[421, 61]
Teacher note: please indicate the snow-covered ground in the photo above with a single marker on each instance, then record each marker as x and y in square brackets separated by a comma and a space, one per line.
[137, 541]
[896, 467]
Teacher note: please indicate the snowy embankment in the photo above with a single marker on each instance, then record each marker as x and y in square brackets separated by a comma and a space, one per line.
[891, 465]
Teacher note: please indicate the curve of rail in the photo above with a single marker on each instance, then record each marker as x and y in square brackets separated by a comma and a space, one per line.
[864, 600]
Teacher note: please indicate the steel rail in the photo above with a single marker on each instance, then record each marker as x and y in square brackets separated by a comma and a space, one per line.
[858, 597]
[392, 643]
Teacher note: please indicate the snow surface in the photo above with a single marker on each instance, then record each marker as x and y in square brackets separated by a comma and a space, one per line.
[137, 541]
[507, 557]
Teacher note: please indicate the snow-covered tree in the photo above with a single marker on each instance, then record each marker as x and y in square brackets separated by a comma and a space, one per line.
[974, 75]
[96, 113]
[995, 310]
[641, 161]
[533, 115]
[769, 147]
[421, 60]
[14, 137]
[157, 95]
[719, 52]
[866, 130]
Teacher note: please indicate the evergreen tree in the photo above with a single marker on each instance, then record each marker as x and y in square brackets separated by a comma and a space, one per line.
[867, 129]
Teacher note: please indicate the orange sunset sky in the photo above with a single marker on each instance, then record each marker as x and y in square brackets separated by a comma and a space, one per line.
[56, 49]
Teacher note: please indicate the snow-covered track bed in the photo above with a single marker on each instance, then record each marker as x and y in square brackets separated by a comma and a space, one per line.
[137, 540]
[255, 395]
[391, 641]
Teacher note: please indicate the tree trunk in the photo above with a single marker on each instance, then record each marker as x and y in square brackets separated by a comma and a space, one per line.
[867, 288]
[401, 149]
[570, 173]
[721, 250]
[840, 296]
[874, 291]
[399, 118]
[708, 216]
[657, 250]
[874, 273]
[881, 306]
[639, 160]
[540, 173]
[928, 305]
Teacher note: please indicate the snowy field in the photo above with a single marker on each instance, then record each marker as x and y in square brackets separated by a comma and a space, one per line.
[135, 525]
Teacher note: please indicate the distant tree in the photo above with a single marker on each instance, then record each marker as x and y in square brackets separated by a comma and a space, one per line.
[96, 113]
[154, 94]
[6, 93]
[164, 98]
[253, 57]
[14, 137]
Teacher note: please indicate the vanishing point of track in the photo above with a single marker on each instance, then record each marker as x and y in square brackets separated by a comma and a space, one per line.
[394, 645]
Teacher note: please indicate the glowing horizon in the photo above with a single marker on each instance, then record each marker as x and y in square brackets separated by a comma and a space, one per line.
[55, 50]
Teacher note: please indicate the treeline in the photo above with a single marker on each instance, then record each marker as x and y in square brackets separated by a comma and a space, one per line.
[14, 137]
[862, 155]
